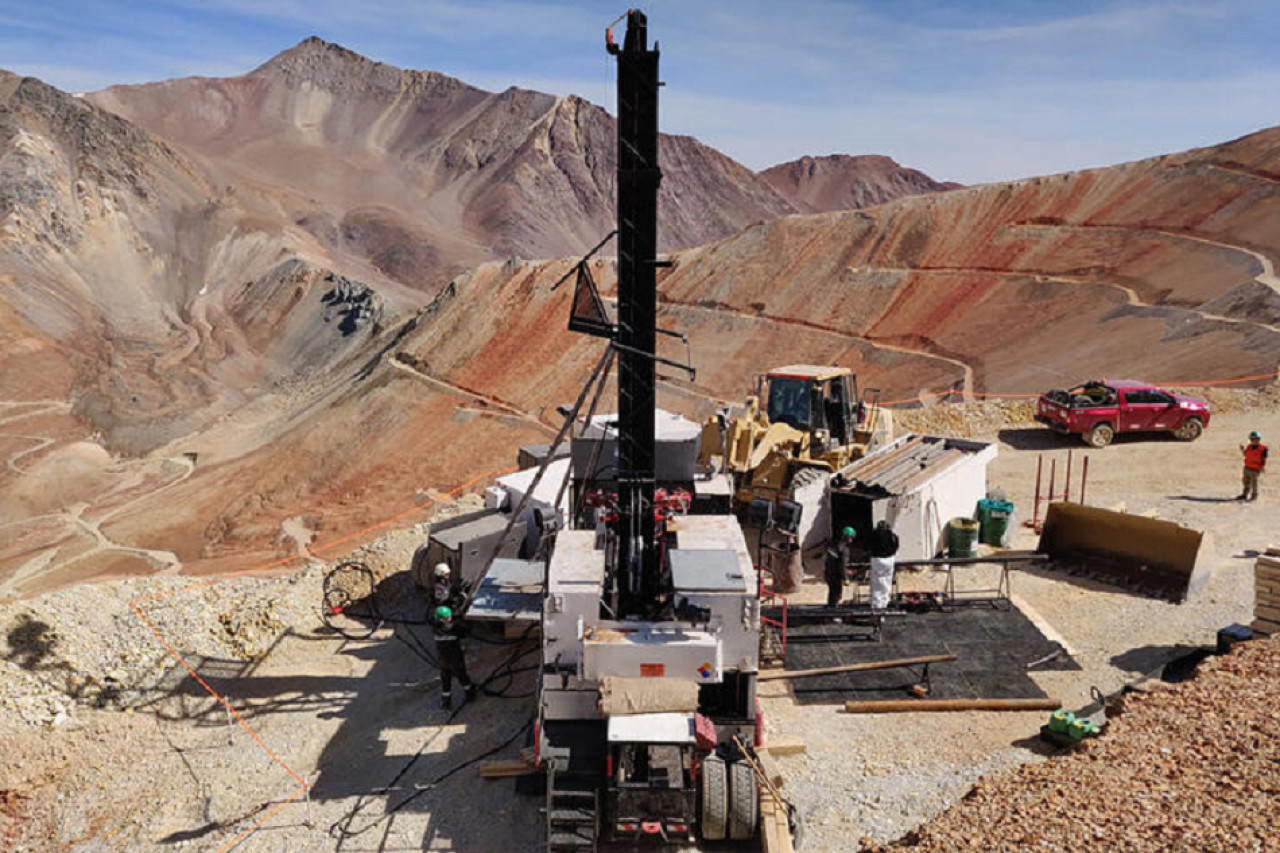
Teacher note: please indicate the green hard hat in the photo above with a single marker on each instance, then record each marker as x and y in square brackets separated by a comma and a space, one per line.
[850, 533]
[443, 613]
[1255, 434]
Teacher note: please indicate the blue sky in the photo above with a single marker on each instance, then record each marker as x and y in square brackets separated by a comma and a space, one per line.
[969, 91]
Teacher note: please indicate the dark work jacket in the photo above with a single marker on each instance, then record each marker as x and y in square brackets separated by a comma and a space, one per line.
[882, 542]
[449, 641]
[839, 557]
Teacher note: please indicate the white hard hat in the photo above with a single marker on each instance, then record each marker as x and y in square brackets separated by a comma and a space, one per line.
[443, 570]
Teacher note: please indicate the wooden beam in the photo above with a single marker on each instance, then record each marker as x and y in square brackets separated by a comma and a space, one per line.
[504, 769]
[775, 829]
[784, 747]
[897, 706]
[1007, 557]
[769, 765]
[786, 675]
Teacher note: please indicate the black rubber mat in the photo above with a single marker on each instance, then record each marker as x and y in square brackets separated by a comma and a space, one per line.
[993, 645]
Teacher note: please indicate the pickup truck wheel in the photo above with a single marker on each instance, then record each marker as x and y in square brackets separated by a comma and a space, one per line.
[1100, 435]
[715, 798]
[1191, 429]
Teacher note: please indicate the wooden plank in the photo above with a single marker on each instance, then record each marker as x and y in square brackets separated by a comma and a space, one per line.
[784, 747]
[1006, 557]
[1262, 626]
[1262, 573]
[897, 706]
[775, 831]
[504, 769]
[786, 675]
[1271, 614]
[769, 765]
[1272, 563]
[1273, 551]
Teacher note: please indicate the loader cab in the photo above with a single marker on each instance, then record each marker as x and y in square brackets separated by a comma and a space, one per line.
[812, 398]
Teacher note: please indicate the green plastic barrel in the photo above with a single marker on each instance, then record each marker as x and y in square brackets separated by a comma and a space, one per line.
[962, 537]
[993, 519]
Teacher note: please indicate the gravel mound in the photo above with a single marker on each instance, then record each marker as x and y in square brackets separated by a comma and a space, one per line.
[1191, 767]
[86, 646]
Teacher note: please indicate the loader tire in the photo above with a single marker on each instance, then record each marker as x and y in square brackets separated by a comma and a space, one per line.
[714, 798]
[1100, 435]
[1191, 429]
[805, 477]
[744, 802]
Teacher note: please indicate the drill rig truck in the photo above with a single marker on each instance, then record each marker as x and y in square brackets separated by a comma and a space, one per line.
[650, 614]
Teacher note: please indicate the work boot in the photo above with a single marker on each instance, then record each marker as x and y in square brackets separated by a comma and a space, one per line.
[1242, 497]
[446, 701]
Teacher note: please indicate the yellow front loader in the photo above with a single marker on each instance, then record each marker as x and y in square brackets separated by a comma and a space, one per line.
[812, 424]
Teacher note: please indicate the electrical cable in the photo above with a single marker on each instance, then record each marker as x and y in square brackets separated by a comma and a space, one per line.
[506, 669]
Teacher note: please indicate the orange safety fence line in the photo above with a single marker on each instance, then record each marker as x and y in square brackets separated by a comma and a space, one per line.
[135, 603]
[984, 395]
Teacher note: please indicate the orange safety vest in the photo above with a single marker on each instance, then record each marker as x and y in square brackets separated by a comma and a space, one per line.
[1255, 456]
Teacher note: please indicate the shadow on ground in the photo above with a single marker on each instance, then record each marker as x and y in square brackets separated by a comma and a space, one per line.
[1167, 662]
[1043, 438]
[361, 718]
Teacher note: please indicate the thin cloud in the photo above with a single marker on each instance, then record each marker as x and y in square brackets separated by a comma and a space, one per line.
[969, 91]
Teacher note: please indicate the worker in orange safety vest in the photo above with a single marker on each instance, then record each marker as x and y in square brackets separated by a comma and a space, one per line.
[1255, 462]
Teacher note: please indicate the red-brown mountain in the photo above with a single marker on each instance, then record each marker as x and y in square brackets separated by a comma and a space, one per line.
[846, 182]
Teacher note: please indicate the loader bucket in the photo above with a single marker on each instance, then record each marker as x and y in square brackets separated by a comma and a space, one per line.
[1147, 556]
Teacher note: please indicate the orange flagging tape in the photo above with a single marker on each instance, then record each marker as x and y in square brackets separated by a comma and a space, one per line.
[136, 604]
[1180, 383]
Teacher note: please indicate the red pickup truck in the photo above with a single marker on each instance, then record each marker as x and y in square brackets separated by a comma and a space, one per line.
[1097, 410]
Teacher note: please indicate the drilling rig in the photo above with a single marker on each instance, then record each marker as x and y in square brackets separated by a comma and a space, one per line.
[650, 614]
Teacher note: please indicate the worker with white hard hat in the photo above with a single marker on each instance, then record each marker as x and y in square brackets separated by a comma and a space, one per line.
[442, 589]
[1255, 463]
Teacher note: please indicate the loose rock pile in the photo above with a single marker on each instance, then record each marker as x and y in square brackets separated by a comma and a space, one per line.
[1194, 766]
[982, 419]
[87, 646]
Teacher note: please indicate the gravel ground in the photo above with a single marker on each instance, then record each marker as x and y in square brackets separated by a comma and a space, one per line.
[107, 748]
[1190, 767]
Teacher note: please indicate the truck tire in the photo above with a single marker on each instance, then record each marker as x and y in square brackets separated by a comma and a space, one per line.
[715, 798]
[1191, 429]
[1100, 435]
[744, 802]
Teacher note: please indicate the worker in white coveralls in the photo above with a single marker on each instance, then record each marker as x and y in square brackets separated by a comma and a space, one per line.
[883, 545]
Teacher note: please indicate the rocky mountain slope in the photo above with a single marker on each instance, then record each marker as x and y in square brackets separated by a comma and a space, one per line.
[243, 319]
[844, 182]
[424, 175]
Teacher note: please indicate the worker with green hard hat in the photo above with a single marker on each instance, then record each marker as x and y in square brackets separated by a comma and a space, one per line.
[839, 556]
[1255, 463]
[453, 663]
